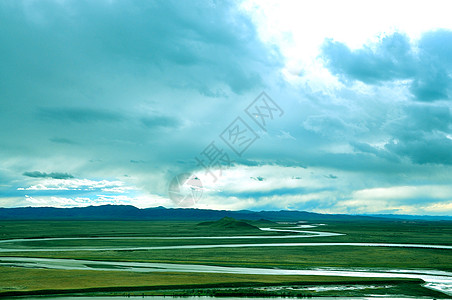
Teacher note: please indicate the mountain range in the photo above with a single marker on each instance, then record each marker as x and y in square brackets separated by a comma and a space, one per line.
[128, 212]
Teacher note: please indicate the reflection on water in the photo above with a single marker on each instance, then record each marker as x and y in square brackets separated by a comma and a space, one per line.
[324, 288]
[259, 245]
[438, 280]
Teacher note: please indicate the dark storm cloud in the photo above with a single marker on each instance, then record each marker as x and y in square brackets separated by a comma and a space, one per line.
[422, 134]
[60, 140]
[391, 59]
[159, 122]
[142, 87]
[381, 153]
[54, 175]
[117, 78]
[93, 72]
[78, 115]
[428, 64]
[424, 149]
[200, 43]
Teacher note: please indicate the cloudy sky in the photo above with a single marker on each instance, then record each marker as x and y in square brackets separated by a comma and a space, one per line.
[105, 102]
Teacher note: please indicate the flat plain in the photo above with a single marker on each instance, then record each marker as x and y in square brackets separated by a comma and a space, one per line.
[123, 241]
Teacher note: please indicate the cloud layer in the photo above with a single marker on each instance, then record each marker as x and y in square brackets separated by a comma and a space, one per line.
[427, 65]
[105, 102]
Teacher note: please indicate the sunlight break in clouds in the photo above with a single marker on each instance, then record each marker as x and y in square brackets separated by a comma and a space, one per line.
[107, 101]
[299, 28]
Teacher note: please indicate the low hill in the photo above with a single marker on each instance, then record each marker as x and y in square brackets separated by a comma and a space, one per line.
[228, 223]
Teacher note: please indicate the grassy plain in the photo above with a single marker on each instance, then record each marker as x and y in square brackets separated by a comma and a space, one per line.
[13, 279]
[40, 279]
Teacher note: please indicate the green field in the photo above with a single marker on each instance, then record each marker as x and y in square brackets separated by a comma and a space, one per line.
[19, 280]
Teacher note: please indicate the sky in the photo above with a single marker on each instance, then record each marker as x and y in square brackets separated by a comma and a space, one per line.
[323, 106]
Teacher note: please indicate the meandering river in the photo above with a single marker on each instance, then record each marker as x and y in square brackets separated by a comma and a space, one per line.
[437, 280]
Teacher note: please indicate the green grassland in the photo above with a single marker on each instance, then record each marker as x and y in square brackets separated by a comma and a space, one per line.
[39, 229]
[16, 280]
[406, 232]
[276, 257]
[356, 231]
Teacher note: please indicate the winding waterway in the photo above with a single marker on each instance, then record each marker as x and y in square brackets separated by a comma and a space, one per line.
[437, 280]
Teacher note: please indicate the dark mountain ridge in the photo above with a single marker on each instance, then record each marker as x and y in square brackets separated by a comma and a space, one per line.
[128, 212]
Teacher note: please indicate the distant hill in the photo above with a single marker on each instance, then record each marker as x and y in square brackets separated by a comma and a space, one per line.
[264, 222]
[228, 223]
[413, 217]
[128, 212]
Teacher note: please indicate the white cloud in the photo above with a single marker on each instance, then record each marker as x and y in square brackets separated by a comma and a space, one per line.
[441, 208]
[148, 108]
[298, 28]
[404, 192]
[240, 179]
[427, 199]
[66, 201]
[78, 184]
[54, 201]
